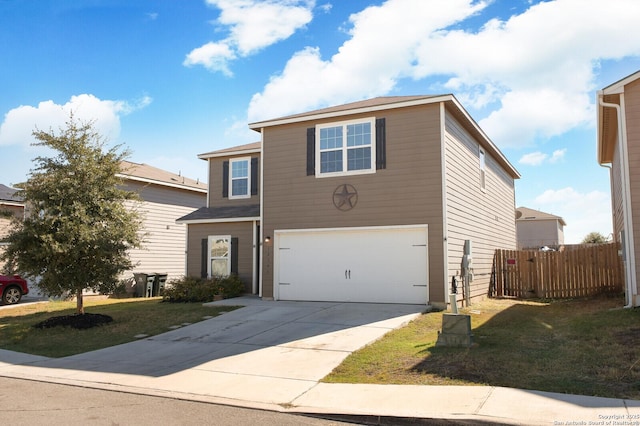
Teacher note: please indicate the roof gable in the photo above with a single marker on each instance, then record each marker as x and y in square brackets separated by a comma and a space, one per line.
[395, 102]
[527, 214]
[149, 174]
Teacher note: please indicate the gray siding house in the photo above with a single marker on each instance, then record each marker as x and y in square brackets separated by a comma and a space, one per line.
[536, 229]
[165, 197]
[370, 201]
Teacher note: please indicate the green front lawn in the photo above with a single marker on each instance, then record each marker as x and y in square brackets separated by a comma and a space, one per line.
[131, 317]
[588, 347]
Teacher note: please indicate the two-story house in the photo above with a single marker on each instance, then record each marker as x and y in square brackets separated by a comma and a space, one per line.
[618, 127]
[370, 201]
[535, 229]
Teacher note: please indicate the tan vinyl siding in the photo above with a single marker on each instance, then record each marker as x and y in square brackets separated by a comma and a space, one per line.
[407, 192]
[486, 218]
[163, 250]
[246, 249]
[5, 222]
[215, 184]
[632, 116]
[616, 194]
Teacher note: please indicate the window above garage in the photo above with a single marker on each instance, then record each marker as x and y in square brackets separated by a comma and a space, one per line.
[346, 147]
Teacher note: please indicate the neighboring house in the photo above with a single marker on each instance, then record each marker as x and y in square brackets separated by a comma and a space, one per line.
[536, 229]
[11, 206]
[618, 128]
[165, 197]
[366, 202]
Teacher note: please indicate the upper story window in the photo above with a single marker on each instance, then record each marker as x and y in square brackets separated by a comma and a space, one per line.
[347, 147]
[240, 178]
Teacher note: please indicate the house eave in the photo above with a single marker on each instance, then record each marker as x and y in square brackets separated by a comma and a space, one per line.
[257, 126]
[229, 154]
[162, 183]
[447, 99]
[222, 220]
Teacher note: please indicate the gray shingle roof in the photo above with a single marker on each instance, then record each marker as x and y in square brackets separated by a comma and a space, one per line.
[8, 194]
[227, 212]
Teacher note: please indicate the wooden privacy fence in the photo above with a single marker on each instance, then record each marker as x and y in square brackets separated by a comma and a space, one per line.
[581, 271]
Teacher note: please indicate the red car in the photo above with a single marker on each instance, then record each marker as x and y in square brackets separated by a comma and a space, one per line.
[12, 287]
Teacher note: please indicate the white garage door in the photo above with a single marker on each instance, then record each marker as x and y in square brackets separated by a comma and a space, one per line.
[377, 264]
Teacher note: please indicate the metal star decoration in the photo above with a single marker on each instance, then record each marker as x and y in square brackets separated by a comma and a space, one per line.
[345, 197]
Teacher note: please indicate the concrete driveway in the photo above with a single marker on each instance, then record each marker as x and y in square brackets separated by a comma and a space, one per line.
[267, 352]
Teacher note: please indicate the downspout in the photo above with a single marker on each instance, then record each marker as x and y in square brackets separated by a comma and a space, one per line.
[626, 207]
[445, 245]
[261, 189]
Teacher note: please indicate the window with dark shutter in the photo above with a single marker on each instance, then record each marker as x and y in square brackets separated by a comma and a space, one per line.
[204, 258]
[254, 176]
[225, 179]
[311, 151]
[234, 255]
[381, 144]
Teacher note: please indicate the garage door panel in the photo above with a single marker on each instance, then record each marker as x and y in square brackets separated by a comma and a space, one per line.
[355, 265]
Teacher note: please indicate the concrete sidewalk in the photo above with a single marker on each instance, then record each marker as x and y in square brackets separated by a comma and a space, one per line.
[271, 355]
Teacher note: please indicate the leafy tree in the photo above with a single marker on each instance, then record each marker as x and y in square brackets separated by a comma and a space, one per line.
[79, 231]
[594, 238]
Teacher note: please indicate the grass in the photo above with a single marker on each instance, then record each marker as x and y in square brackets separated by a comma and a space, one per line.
[586, 347]
[131, 317]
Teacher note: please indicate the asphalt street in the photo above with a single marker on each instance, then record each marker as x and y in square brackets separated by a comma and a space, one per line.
[26, 402]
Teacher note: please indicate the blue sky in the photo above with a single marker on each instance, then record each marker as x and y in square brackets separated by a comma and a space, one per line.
[172, 79]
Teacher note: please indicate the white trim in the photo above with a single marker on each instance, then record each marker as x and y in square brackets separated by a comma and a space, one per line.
[629, 240]
[362, 110]
[618, 86]
[351, 228]
[445, 243]
[162, 183]
[223, 220]
[229, 260]
[345, 149]
[248, 177]
[254, 272]
[230, 153]
[12, 203]
[626, 205]
[261, 195]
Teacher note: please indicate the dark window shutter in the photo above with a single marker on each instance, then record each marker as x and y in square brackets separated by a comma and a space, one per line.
[234, 255]
[204, 257]
[254, 176]
[381, 144]
[225, 179]
[311, 151]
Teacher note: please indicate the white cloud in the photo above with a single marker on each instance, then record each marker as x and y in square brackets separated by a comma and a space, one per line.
[535, 69]
[583, 212]
[213, 56]
[557, 155]
[20, 122]
[393, 31]
[537, 158]
[533, 158]
[253, 25]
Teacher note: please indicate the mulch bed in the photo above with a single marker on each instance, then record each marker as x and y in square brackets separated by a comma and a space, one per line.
[78, 321]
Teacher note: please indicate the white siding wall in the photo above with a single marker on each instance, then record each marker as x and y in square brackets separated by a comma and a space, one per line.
[486, 218]
[165, 243]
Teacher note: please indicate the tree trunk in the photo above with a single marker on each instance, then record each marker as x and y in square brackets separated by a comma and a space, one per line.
[79, 302]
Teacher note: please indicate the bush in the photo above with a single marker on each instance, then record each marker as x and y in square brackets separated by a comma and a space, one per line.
[194, 289]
